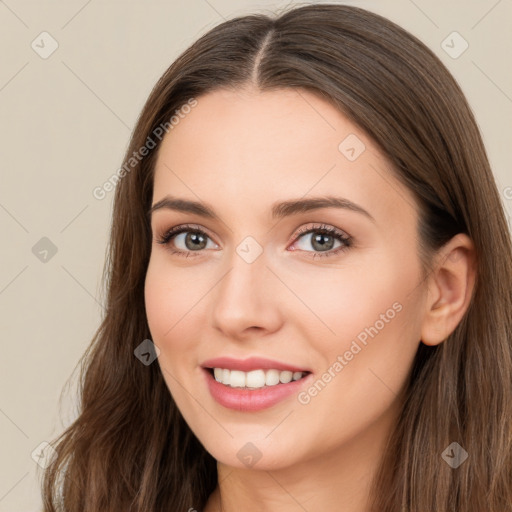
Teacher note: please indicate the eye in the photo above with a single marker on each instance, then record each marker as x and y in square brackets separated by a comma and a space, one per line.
[323, 240]
[193, 240]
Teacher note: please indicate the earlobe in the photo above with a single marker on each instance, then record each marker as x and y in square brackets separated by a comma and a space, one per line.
[450, 288]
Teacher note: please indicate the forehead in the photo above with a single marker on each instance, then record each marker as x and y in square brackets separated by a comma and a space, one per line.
[249, 126]
[247, 149]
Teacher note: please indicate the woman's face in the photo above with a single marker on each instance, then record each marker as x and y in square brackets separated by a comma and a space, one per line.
[262, 280]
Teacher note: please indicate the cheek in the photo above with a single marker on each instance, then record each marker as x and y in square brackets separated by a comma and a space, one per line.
[169, 298]
[168, 295]
[345, 299]
[385, 325]
[158, 302]
[174, 300]
[366, 364]
[161, 294]
[373, 315]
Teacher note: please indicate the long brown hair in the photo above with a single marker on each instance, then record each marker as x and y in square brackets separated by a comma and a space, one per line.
[130, 449]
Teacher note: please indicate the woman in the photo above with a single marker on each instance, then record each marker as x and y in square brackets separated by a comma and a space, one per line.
[309, 287]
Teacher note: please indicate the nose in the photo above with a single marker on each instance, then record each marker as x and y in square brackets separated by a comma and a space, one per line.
[246, 300]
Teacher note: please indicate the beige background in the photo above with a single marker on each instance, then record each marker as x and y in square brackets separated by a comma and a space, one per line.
[66, 121]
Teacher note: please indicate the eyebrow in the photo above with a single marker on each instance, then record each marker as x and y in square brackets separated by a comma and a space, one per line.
[279, 210]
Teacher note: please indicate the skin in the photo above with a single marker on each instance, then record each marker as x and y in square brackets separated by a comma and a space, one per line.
[240, 152]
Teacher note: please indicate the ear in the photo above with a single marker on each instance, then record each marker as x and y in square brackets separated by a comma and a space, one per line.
[450, 288]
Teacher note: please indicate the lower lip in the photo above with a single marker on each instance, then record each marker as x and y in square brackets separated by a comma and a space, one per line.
[252, 400]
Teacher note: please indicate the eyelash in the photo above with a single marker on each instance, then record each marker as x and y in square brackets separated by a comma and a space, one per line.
[322, 229]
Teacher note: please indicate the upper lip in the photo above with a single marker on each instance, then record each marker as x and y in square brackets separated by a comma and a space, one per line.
[249, 364]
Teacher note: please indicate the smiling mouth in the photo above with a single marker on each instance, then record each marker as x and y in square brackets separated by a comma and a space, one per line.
[255, 379]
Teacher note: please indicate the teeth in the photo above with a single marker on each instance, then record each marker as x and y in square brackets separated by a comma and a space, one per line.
[254, 379]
